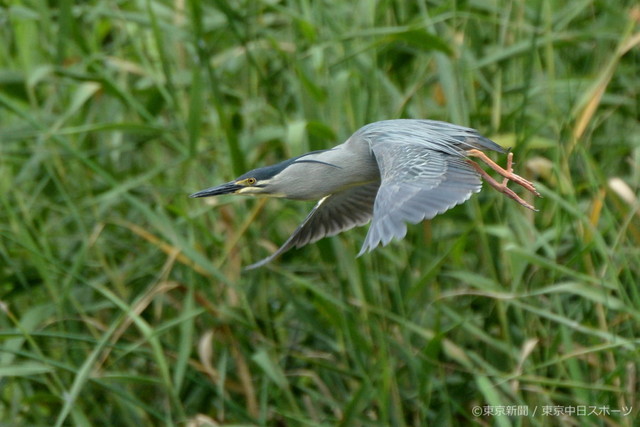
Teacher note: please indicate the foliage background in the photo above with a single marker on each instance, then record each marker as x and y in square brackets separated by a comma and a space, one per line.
[124, 302]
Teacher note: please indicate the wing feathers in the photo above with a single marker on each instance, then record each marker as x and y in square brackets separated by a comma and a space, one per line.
[330, 216]
[433, 183]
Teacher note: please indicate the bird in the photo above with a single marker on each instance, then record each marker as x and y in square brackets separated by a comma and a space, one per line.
[389, 173]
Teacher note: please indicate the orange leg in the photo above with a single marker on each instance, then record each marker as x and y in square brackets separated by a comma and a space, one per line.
[506, 173]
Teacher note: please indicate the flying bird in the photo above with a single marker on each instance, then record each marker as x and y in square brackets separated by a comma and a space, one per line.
[390, 172]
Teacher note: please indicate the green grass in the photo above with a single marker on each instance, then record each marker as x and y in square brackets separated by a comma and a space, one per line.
[124, 301]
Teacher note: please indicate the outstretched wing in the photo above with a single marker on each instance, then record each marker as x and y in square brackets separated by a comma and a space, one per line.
[331, 215]
[417, 183]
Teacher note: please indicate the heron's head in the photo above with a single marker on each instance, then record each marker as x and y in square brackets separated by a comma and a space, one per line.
[262, 181]
[306, 177]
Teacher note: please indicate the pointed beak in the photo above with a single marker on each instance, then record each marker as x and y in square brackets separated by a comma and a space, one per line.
[228, 188]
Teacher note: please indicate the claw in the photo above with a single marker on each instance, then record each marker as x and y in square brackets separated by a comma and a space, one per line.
[507, 174]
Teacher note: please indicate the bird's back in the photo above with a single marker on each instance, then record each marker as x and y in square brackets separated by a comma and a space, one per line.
[433, 134]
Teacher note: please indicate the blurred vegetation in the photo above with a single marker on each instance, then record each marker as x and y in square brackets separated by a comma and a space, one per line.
[124, 302]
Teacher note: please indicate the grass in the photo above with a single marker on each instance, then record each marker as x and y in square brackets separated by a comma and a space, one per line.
[124, 302]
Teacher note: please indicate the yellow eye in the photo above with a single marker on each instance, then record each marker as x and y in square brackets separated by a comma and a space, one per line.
[248, 181]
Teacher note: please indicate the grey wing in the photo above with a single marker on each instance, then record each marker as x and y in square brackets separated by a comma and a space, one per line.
[331, 215]
[417, 183]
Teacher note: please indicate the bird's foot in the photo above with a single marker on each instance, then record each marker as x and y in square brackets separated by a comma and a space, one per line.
[507, 174]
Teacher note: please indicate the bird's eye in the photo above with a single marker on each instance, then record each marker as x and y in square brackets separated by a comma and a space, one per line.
[250, 181]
